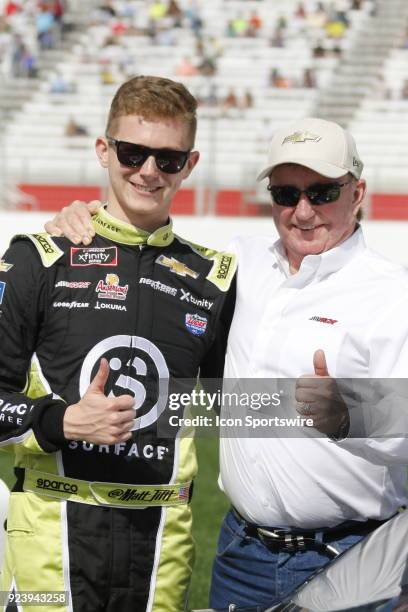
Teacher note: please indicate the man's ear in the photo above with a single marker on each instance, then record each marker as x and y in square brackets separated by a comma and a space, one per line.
[360, 190]
[191, 162]
[102, 151]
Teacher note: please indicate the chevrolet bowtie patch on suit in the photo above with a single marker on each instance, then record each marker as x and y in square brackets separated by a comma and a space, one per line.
[175, 266]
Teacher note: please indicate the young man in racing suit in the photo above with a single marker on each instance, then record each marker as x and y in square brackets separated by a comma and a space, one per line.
[91, 339]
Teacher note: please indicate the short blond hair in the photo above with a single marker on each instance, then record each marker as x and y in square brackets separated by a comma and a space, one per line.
[154, 98]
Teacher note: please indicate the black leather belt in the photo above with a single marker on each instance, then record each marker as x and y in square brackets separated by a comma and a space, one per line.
[287, 540]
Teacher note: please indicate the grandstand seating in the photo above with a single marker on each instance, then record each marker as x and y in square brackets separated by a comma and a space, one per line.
[233, 141]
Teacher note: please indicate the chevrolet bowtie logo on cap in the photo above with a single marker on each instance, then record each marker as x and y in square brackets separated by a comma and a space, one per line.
[176, 266]
[301, 137]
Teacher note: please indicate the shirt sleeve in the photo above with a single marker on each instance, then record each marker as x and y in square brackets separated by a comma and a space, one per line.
[379, 419]
[23, 305]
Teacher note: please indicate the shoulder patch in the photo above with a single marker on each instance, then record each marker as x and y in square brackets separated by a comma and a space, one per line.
[224, 264]
[197, 248]
[48, 250]
[223, 270]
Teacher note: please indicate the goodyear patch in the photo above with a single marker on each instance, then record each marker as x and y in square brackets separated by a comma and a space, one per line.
[195, 324]
[2, 289]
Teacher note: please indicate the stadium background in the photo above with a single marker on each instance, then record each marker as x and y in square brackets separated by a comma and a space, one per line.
[253, 64]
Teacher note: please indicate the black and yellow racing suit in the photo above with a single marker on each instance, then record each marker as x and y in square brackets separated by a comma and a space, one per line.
[110, 525]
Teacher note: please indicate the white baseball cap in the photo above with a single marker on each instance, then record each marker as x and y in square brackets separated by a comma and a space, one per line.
[322, 146]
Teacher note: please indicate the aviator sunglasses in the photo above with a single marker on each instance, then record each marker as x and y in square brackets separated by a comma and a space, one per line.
[317, 194]
[134, 155]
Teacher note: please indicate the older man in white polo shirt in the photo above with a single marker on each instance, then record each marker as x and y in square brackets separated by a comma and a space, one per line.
[315, 302]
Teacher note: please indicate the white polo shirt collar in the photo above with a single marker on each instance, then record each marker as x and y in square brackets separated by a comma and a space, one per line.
[316, 267]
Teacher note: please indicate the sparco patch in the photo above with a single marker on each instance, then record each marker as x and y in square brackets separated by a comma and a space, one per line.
[94, 256]
[195, 324]
[224, 267]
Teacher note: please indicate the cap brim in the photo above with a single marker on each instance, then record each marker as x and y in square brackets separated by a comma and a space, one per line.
[323, 168]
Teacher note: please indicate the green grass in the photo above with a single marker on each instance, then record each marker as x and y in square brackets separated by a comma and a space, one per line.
[209, 506]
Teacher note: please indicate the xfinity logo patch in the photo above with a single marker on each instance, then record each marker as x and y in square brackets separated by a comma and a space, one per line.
[105, 256]
[201, 302]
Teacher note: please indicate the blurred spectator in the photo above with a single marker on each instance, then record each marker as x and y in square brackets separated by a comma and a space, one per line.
[318, 18]
[175, 13]
[157, 10]
[106, 76]
[45, 22]
[108, 8]
[192, 14]
[11, 8]
[278, 38]
[247, 100]
[186, 67]
[254, 24]
[276, 79]
[319, 50]
[335, 28]
[356, 5]
[308, 79]
[207, 66]
[230, 101]
[72, 128]
[58, 10]
[300, 11]
[60, 85]
[238, 26]
[23, 61]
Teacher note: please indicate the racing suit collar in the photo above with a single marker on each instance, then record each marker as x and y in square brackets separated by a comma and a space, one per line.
[124, 233]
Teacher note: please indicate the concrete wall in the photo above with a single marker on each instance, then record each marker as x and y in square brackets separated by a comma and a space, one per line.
[388, 237]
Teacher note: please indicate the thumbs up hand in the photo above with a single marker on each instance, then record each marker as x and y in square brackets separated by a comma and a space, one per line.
[319, 398]
[97, 418]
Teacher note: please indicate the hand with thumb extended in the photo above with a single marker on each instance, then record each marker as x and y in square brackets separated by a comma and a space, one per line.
[100, 379]
[99, 419]
[320, 364]
[318, 398]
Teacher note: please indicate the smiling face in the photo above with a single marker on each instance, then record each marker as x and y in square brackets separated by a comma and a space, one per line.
[308, 229]
[142, 196]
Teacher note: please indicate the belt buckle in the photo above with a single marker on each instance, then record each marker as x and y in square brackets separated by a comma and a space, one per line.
[281, 538]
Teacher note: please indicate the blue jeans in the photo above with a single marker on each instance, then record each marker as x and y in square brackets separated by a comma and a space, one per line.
[247, 573]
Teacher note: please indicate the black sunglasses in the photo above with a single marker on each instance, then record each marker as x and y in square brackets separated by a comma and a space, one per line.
[319, 193]
[134, 155]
